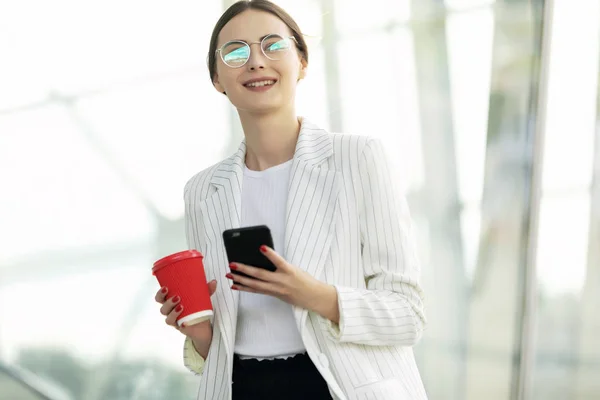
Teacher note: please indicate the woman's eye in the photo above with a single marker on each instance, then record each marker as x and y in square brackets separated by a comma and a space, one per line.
[277, 46]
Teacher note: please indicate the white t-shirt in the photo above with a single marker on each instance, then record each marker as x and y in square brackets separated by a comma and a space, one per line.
[266, 327]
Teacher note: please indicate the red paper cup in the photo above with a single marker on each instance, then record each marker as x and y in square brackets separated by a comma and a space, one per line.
[183, 274]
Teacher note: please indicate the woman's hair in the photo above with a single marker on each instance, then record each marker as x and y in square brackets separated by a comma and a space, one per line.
[260, 5]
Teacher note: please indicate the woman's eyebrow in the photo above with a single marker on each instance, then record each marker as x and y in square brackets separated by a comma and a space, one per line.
[260, 39]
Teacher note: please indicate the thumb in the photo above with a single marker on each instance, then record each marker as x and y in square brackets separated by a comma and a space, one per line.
[212, 287]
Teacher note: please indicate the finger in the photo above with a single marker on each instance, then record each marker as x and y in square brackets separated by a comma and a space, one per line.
[212, 287]
[169, 305]
[172, 317]
[242, 288]
[255, 285]
[161, 295]
[257, 273]
[274, 257]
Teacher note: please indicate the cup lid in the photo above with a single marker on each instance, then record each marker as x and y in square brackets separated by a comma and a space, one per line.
[182, 255]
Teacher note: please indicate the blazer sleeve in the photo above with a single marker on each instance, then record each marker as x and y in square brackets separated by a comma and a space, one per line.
[390, 310]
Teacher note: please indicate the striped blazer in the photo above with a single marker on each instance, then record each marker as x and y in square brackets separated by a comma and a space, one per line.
[346, 226]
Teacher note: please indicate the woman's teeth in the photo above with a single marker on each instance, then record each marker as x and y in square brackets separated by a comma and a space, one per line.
[260, 83]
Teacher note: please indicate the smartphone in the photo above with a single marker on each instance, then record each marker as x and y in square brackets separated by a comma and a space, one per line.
[243, 246]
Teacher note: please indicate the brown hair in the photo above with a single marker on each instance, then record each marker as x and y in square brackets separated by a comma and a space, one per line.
[261, 5]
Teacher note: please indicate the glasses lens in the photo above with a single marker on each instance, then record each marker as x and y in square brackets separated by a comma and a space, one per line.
[235, 54]
[275, 46]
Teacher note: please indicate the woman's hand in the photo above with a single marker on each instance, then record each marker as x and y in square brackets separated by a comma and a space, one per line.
[288, 283]
[201, 333]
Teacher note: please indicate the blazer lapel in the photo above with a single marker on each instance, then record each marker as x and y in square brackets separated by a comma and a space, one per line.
[221, 211]
[311, 203]
[312, 200]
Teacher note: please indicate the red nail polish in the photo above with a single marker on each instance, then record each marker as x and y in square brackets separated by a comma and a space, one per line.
[179, 308]
[263, 249]
[233, 266]
[234, 287]
[183, 325]
[163, 290]
[176, 299]
[229, 276]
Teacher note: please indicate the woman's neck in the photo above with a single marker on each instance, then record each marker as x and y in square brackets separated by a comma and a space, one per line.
[270, 139]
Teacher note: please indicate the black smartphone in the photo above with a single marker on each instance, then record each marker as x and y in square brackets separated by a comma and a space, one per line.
[243, 246]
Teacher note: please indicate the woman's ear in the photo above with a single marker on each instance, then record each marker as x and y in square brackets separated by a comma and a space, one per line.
[303, 69]
[218, 85]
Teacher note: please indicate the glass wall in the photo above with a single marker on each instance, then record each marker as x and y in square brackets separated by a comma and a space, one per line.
[106, 111]
[567, 350]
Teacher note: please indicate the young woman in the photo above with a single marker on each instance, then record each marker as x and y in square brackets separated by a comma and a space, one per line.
[339, 316]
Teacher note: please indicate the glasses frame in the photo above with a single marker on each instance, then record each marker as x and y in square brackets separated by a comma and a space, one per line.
[249, 44]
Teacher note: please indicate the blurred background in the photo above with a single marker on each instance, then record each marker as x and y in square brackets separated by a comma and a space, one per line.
[490, 108]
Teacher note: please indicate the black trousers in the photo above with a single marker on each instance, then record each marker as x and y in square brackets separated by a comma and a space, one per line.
[289, 379]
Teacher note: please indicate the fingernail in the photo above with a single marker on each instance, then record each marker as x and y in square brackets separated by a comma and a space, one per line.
[229, 276]
[176, 299]
[183, 324]
[163, 290]
[263, 249]
[179, 308]
[232, 266]
[234, 287]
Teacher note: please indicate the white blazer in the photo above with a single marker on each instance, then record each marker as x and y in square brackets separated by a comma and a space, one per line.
[346, 226]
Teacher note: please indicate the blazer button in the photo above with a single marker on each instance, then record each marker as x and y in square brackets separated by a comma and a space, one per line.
[323, 360]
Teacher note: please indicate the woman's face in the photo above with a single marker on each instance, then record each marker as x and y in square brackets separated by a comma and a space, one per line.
[282, 74]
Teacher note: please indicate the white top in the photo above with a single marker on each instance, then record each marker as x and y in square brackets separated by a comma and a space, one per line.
[266, 327]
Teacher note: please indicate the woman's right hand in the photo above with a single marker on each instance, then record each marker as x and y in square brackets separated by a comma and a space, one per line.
[201, 333]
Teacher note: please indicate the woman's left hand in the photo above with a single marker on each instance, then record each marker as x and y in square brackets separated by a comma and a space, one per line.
[288, 282]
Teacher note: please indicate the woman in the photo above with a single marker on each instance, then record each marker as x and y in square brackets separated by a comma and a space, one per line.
[339, 316]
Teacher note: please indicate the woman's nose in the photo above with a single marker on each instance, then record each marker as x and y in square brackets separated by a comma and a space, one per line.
[257, 59]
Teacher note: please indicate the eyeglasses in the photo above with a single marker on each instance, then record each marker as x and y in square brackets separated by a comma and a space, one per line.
[235, 54]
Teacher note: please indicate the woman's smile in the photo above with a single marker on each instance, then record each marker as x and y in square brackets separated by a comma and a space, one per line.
[260, 84]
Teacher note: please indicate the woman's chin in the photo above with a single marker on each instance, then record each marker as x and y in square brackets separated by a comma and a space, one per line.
[260, 106]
